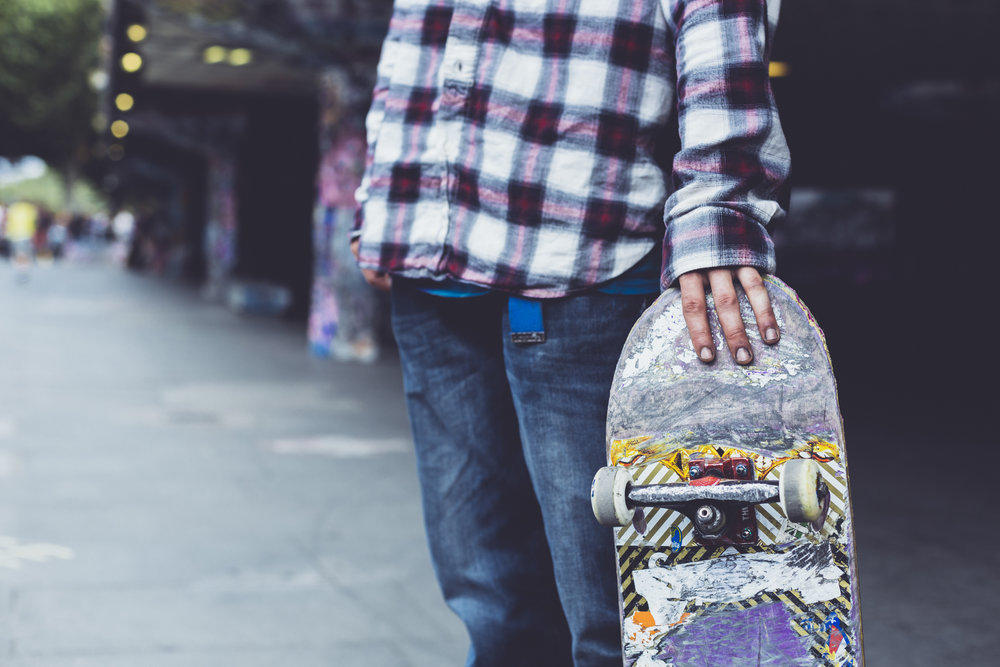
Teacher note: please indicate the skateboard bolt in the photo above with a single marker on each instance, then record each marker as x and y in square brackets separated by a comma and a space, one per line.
[742, 470]
[709, 520]
[694, 472]
[746, 533]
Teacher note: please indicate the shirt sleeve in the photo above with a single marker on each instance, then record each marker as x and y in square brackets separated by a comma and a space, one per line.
[733, 159]
[373, 122]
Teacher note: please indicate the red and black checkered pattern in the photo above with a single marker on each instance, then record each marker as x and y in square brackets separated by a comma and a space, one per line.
[467, 188]
[498, 25]
[541, 123]
[604, 219]
[419, 110]
[404, 186]
[478, 104]
[746, 86]
[512, 143]
[557, 31]
[631, 45]
[524, 205]
[617, 136]
[437, 21]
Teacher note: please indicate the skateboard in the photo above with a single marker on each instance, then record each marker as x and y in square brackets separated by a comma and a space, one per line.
[727, 487]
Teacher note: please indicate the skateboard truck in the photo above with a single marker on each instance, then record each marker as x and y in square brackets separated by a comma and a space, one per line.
[719, 498]
[719, 521]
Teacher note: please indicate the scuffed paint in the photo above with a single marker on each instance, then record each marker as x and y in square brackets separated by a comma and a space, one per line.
[641, 631]
[722, 640]
[671, 451]
[668, 338]
[808, 569]
[628, 451]
[661, 336]
[640, 362]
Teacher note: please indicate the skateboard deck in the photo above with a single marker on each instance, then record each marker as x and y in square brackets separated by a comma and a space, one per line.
[728, 486]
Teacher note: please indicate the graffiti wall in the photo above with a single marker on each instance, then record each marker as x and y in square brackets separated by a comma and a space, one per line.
[344, 317]
[221, 224]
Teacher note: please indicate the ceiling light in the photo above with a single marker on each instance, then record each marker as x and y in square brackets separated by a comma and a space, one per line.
[240, 57]
[124, 101]
[215, 54]
[119, 129]
[136, 32]
[98, 79]
[131, 62]
[778, 69]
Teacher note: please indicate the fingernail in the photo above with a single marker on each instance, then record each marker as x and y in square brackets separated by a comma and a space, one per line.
[706, 354]
[771, 335]
[742, 356]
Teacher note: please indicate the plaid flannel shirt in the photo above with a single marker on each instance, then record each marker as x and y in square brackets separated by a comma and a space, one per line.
[514, 143]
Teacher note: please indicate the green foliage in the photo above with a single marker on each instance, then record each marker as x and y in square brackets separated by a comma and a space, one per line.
[48, 48]
[214, 10]
[49, 190]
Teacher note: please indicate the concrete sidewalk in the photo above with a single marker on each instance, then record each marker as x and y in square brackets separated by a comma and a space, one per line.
[183, 487]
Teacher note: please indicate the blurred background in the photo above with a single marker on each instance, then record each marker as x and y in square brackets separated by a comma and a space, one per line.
[204, 457]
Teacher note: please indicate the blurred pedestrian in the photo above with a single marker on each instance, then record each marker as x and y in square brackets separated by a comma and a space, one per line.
[4, 242]
[55, 237]
[20, 230]
[518, 203]
[43, 222]
[122, 225]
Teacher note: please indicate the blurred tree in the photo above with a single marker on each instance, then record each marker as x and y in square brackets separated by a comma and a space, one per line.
[49, 190]
[48, 50]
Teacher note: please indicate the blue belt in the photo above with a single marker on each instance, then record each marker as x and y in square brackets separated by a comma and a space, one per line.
[526, 325]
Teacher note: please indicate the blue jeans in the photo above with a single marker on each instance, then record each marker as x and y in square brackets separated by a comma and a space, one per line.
[508, 438]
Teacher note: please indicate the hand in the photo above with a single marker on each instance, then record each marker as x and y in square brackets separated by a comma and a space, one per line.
[380, 280]
[727, 306]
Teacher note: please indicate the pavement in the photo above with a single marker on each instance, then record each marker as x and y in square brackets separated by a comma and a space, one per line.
[183, 486]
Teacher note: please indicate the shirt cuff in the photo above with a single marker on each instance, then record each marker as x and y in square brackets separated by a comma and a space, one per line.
[712, 237]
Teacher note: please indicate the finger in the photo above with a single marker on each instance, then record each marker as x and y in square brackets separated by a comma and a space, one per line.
[383, 281]
[696, 314]
[377, 279]
[355, 244]
[760, 301]
[727, 306]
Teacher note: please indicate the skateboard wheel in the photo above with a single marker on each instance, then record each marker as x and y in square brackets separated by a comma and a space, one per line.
[609, 497]
[799, 491]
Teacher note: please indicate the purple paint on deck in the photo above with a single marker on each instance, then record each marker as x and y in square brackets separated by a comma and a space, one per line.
[758, 637]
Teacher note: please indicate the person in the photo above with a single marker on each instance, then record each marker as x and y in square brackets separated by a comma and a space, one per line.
[519, 201]
[20, 230]
[55, 236]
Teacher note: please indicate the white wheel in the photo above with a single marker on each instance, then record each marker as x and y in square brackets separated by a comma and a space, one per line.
[609, 497]
[799, 491]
